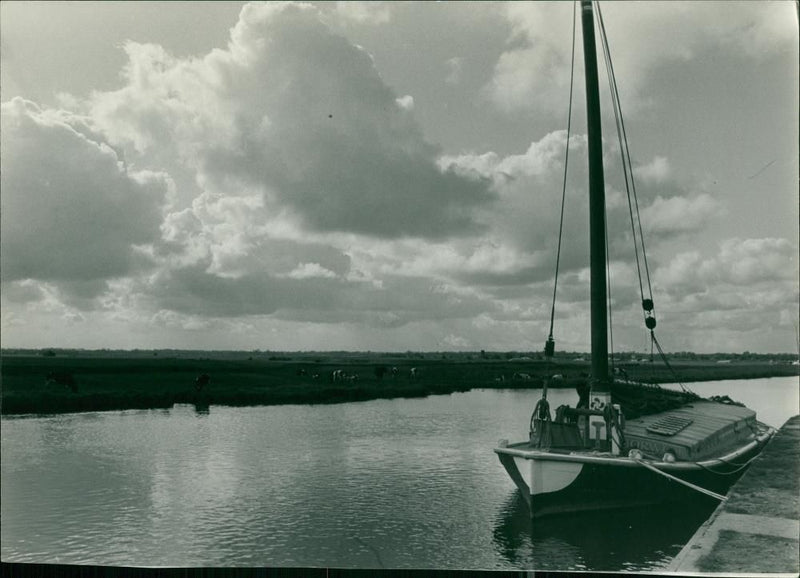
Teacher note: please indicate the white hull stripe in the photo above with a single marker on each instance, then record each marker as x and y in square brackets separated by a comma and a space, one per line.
[545, 478]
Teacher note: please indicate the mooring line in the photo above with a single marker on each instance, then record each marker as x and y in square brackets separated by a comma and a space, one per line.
[719, 497]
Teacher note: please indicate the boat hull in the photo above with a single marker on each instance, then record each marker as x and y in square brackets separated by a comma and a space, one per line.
[559, 482]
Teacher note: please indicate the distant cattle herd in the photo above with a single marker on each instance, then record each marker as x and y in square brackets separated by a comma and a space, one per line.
[339, 375]
[67, 380]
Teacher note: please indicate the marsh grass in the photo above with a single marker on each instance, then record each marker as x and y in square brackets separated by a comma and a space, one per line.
[116, 383]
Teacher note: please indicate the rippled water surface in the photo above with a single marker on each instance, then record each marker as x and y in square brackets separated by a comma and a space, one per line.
[410, 483]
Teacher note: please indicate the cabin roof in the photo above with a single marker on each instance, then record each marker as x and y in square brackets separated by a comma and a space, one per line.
[695, 431]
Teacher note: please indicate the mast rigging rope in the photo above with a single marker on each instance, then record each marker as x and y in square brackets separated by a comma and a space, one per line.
[648, 305]
[633, 205]
[564, 187]
[627, 165]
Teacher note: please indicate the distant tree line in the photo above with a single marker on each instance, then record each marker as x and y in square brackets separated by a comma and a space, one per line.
[322, 356]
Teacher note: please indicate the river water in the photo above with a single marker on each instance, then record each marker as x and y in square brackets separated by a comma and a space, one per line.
[405, 483]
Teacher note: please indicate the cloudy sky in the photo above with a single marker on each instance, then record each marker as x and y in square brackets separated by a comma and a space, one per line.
[387, 176]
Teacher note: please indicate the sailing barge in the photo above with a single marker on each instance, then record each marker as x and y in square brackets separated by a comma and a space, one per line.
[624, 444]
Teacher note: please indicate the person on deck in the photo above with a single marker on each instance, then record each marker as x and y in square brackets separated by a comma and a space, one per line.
[583, 390]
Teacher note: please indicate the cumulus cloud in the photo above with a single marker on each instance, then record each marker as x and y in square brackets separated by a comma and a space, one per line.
[279, 184]
[451, 341]
[405, 102]
[309, 270]
[747, 261]
[292, 154]
[298, 114]
[718, 299]
[541, 158]
[365, 12]
[681, 273]
[516, 261]
[23, 291]
[678, 214]
[533, 73]
[656, 171]
[536, 65]
[741, 269]
[525, 223]
[307, 293]
[72, 210]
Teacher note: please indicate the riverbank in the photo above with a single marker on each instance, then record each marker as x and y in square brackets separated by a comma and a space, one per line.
[756, 529]
[139, 382]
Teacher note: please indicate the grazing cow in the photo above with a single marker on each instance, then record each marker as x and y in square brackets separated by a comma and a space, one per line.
[202, 381]
[338, 375]
[395, 371]
[62, 378]
[414, 373]
[522, 376]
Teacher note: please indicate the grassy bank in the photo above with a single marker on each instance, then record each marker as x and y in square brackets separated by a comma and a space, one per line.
[139, 382]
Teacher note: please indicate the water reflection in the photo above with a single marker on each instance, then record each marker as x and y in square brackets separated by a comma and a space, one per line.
[631, 539]
[395, 483]
[202, 409]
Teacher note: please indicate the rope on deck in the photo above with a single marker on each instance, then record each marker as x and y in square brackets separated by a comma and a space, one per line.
[719, 497]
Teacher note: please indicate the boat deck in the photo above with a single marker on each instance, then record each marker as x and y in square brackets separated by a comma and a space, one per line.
[698, 432]
[692, 432]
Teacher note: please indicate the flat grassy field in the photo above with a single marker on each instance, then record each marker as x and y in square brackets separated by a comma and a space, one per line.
[137, 381]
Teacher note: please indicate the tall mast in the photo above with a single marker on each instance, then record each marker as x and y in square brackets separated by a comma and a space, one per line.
[597, 201]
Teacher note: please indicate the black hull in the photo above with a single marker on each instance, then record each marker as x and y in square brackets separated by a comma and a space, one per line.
[601, 486]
